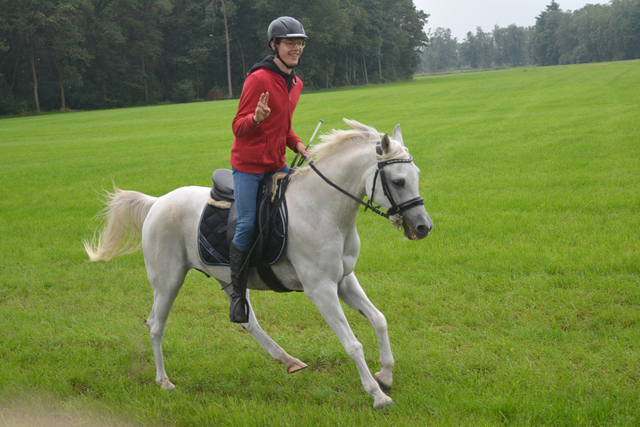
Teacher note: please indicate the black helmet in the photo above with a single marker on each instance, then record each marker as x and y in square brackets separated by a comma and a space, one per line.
[285, 27]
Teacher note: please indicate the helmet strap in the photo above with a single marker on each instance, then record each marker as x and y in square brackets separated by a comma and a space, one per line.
[277, 55]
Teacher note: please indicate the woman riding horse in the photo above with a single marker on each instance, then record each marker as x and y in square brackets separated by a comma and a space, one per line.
[261, 133]
[319, 259]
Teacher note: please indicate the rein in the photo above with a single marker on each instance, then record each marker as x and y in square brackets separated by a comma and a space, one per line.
[396, 209]
[367, 205]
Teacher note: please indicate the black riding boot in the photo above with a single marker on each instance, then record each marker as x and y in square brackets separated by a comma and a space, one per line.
[239, 310]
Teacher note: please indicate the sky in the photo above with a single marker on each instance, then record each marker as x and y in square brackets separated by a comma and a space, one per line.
[462, 16]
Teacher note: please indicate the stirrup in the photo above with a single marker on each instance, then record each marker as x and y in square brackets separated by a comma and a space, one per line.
[239, 310]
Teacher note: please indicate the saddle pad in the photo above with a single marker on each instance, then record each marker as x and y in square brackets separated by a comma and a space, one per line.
[212, 235]
[213, 244]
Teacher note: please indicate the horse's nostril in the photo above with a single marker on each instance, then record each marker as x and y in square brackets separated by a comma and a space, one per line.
[423, 229]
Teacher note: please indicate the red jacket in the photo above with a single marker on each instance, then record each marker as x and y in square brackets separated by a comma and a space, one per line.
[261, 148]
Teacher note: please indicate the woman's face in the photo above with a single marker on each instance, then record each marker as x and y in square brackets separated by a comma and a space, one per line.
[290, 50]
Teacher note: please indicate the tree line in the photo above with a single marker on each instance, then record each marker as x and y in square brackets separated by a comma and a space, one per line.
[93, 54]
[594, 33]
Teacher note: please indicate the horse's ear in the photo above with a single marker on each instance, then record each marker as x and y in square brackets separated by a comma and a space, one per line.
[397, 135]
[385, 143]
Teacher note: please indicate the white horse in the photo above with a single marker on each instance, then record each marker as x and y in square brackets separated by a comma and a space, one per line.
[322, 243]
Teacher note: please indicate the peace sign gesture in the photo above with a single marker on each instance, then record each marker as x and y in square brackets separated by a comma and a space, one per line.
[262, 110]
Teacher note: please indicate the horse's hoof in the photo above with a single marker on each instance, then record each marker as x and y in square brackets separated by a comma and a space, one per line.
[384, 387]
[168, 386]
[385, 406]
[295, 366]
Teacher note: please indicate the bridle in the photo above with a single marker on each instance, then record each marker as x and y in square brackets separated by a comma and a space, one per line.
[396, 209]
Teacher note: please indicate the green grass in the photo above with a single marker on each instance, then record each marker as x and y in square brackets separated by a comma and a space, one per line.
[521, 308]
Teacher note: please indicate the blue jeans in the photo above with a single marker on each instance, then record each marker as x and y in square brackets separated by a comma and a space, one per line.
[245, 189]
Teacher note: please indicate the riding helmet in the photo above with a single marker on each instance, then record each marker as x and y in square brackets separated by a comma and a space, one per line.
[285, 27]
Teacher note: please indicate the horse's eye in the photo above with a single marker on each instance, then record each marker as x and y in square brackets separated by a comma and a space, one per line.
[398, 182]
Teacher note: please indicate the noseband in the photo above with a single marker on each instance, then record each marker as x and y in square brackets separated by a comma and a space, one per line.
[396, 209]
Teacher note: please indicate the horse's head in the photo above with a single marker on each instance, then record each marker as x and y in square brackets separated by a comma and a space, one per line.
[396, 187]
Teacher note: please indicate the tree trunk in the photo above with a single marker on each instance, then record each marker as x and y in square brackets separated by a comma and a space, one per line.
[226, 35]
[352, 73]
[35, 77]
[364, 69]
[355, 69]
[15, 71]
[197, 82]
[144, 79]
[380, 63]
[244, 64]
[346, 67]
[63, 104]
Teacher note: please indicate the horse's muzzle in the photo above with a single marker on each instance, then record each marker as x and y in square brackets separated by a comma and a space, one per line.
[417, 225]
[418, 232]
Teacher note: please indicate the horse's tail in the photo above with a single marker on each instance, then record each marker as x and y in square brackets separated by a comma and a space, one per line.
[122, 218]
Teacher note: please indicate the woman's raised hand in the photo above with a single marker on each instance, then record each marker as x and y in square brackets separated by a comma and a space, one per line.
[262, 110]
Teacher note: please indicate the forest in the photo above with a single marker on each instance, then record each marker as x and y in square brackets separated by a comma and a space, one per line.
[95, 54]
[594, 33]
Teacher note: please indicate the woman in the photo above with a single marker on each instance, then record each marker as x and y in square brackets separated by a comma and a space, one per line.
[262, 130]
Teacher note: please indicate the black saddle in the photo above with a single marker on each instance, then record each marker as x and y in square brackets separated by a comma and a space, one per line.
[222, 188]
[218, 225]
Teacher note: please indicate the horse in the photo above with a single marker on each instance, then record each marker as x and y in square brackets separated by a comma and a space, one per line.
[322, 242]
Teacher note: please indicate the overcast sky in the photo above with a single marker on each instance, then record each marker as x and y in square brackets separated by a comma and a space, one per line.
[462, 16]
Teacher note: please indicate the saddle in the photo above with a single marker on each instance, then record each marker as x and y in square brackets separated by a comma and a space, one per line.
[218, 225]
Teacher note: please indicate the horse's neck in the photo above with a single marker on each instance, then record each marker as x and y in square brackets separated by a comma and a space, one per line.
[346, 170]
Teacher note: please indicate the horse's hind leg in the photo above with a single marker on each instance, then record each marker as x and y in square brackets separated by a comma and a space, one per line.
[166, 283]
[291, 364]
[350, 291]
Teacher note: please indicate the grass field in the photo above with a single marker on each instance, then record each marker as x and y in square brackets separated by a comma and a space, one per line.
[521, 308]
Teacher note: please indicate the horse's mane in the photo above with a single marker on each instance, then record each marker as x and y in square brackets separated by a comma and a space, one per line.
[338, 140]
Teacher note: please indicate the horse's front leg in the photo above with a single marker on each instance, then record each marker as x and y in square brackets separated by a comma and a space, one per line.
[325, 297]
[291, 364]
[350, 291]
